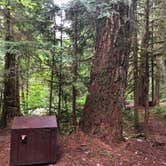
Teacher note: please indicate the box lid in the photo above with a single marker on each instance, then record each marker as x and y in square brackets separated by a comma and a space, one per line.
[34, 122]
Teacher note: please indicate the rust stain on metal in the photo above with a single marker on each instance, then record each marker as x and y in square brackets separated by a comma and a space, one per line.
[33, 140]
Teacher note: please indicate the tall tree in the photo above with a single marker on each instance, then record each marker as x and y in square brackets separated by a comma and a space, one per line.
[81, 34]
[60, 84]
[144, 67]
[75, 66]
[135, 59]
[146, 62]
[102, 114]
[52, 69]
[11, 83]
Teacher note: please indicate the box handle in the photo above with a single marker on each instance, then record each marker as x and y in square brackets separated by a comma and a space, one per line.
[23, 139]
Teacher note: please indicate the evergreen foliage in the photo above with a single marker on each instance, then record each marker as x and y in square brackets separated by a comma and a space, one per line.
[42, 30]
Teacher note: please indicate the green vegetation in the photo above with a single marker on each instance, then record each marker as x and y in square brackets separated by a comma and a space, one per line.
[54, 48]
[160, 112]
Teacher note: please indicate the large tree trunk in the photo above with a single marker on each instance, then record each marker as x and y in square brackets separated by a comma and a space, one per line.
[11, 82]
[102, 114]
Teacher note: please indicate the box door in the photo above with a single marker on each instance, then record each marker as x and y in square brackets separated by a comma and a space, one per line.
[34, 147]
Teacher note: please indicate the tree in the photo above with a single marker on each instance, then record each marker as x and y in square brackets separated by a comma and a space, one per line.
[135, 60]
[144, 76]
[102, 114]
[32, 24]
[75, 66]
[82, 38]
[11, 82]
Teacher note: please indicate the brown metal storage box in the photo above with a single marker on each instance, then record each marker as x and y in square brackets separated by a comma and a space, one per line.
[33, 140]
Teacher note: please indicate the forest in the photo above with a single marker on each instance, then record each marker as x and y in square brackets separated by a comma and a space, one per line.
[99, 66]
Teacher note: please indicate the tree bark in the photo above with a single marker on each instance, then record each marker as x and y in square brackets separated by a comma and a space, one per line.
[60, 74]
[51, 85]
[1, 98]
[27, 82]
[153, 102]
[23, 92]
[144, 76]
[152, 78]
[75, 67]
[157, 83]
[135, 59]
[52, 72]
[102, 114]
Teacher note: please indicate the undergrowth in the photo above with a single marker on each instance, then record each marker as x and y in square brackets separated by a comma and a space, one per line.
[162, 100]
[160, 111]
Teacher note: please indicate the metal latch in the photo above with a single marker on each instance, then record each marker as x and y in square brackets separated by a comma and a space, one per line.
[23, 139]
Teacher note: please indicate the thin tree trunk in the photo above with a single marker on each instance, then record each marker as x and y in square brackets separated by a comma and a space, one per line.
[60, 74]
[102, 114]
[1, 98]
[152, 68]
[163, 64]
[22, 92]
[27, 83]
[51, 85]
[135, 58]
[17, 74]
[146, 62]
[157, 91]
[66, 107]
[157, 83]
[52, 72]
[152, 77]
[75, 66]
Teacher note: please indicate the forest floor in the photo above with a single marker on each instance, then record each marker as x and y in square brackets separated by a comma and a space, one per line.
[79, 149]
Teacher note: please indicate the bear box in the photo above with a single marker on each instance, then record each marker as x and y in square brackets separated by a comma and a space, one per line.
[33, 140]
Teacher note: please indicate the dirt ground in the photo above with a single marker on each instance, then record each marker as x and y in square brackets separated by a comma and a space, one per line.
[82, 150]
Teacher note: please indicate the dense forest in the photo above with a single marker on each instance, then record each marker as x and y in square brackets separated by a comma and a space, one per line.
[98, 65]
